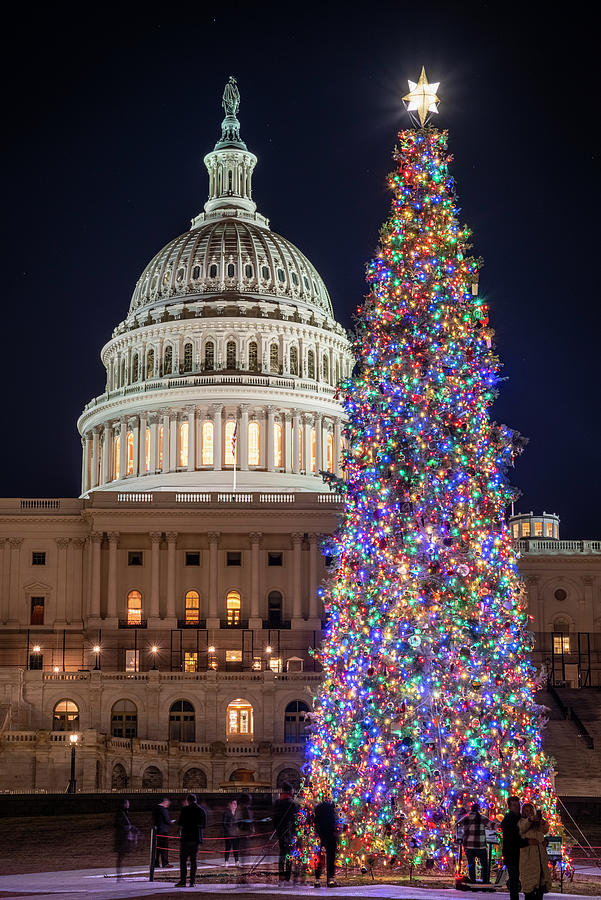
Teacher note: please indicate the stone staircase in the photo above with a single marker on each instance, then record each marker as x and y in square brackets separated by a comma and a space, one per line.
[578, 767]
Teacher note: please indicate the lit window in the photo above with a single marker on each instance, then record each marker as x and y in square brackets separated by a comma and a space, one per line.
[65, 716]
[240, 719]
[516, 530]
[525, 529]
[209, 356]
[147, 451]
[187, 357]
[277, 445]
[207, 443]
[253, 444]
[293, 361]
[132, 660]
[183, 444]
[561, 644]
[161, 433]
[116, 454]
[233, 656]
[275, 664]
[230, 355]
[538, 529]
[192, 608]
[253, 357]
[168, 361]
[313, 450]
[190, 661]
[232, 607]
[37, 611]
[549, 527]
[330, 452]
[130, 453]
[311, 364]
[134, 608]
[274, 359]
[229, 449]
[150, 364]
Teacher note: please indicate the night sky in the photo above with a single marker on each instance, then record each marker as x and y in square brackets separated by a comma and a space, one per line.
[109, 111]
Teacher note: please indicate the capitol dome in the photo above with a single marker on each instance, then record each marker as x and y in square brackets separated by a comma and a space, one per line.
[225, 368]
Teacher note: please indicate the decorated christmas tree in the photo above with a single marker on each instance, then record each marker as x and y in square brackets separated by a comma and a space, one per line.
[427, 698]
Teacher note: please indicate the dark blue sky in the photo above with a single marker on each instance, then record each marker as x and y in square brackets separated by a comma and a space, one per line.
[110, 110]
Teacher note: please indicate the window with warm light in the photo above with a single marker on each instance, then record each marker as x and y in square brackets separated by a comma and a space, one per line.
[516, 530]
[134, 608]
[538, 529]
[37, 611]
[274, 359]
[116, 456]
[525, 529]
[275, 664]
[293, 361]
[168, 361]
[130, 453]
[161, 442]
[188, 351]
[278, 456]
[132, 660]
[254, 434]
[147, 451]
[549, 528]
[190, 661]
[209, 356]
[192, 608]
[207, 443]
[330, 452]
[183, 444]
[313, 450]
[240, 720]
[65, 716]
[229, 449]
[253, 357]
[230, 355]
[232, 608]
[233, 656]
[561, 644]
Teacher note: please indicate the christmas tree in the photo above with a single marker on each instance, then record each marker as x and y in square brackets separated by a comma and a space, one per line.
[427, 698]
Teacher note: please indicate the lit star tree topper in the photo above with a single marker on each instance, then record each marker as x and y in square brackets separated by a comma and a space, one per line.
[422, 97]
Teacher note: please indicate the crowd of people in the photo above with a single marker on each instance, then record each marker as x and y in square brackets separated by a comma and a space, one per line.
[523, 833]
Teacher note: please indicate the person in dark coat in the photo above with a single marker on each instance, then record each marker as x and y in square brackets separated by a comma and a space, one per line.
[162, 821]
[246, 824]
[126, 834]
[512, 844]
[191, 822]
[326, 828]
[230, 832]
[285, 812]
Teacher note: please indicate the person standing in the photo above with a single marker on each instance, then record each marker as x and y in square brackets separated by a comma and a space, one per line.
[162, 821]
[512, 844]
[474, 842]
[535, 873]
[285, 812]
[192, 820]
[326, 828]
[126, 834]
[246, 824]
[230, 832]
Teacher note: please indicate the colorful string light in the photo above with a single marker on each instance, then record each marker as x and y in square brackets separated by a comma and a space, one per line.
[427, 698]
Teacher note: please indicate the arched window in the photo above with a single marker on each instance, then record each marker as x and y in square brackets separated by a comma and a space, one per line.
[130, 453]
[183, 444]
[134, 608]
[65, 716]
[293, 361]
[213, 270]
[253, 357]
[192, 608]
[229, 449]
[188, 357]
[119, 778]
[182, 722]
[254, 435]
[311, 364]
[168, 360]
[240, 723]
[242, 776]
[274, 359]
[209, 356]
[194, 780]
[294, 722]
[124, 719]
[116, 456]
[278, 455]
[330, 452]
[289, 776]
[230, 355]
[232, 608]
[231, 270]
[161, 440]
[325, 368]
[147, 451]
[150, 364]
[196, 272]
[152, 779]
[207, 443]
[134, 367]
[274, 609]
[313, 450]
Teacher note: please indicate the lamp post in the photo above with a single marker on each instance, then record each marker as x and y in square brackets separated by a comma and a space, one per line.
[72, 788]
[154, 650]
[96, 650]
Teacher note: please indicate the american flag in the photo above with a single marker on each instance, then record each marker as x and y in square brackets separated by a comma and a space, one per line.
[234, 439]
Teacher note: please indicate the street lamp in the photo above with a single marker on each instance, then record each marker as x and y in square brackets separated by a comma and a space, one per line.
[96, 650]
[72, 788]
[154, 650]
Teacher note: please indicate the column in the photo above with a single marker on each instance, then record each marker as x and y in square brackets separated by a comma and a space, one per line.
[95, 447]
[314, 608]
[107, 446]
[141, 455]
[155, 551]
[154, 442]
[134, 427]
[94, 610]
[111, 595]
[216, 410]
[166, 442]
[256, 620]
[213, 606]
[122, 448]
[191, 410]
[89, 460]
[269, 442]
[74, 608]
[337, 447]
[173, 443]
[171, 537]
[296, 433]
[62, 544]
[84, 466]
[243, 438]
[318, 418]
[14, 591]
[307, 421]
[297, 546]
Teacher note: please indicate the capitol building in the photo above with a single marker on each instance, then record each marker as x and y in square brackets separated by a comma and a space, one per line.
[167, 616]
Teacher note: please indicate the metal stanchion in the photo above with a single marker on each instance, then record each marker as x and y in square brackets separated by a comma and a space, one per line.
[153, 852]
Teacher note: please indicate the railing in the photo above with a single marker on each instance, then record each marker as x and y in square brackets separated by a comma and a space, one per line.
[66, 676]
[282, 624]
[235, 498]
[201, 623]
[40, 504]
[18, 737]
[330, 498]
[135, 497]
[241, 623]
[125, 623]
[192, 498]
[531, 547]
[276, 498]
